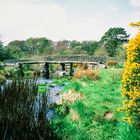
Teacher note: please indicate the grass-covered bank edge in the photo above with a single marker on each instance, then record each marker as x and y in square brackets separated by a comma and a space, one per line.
[99, 98]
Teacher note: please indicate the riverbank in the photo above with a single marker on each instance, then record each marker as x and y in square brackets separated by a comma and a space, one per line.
[85, 109]
[89, 110]
[27, 106]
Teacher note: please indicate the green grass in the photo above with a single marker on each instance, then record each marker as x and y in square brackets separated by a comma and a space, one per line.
[100, 96]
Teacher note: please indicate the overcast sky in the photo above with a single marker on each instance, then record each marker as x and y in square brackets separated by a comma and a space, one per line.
[65, 19]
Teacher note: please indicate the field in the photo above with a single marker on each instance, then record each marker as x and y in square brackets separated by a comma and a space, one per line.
[94, 114]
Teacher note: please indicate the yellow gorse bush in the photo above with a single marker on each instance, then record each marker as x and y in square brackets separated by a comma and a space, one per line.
[131, 81]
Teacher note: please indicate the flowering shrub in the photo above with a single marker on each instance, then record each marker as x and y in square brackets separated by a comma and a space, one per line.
[131, 81]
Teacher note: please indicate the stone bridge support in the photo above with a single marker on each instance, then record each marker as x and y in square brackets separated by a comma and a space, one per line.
[71, 69]
[47, 71]
[20, 70]
[63, 66]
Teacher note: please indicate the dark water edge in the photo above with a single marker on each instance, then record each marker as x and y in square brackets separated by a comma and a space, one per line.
[52, 95]
[43, 127]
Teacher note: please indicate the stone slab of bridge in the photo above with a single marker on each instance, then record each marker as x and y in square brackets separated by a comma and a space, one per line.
[62, 60]
[47, 64]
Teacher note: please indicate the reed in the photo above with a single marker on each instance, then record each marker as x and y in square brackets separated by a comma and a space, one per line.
[23, 112]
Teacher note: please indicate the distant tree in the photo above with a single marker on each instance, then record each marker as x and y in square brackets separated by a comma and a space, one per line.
[59, 48]
[66, 43]
[43, 43]
[113, 38]
[29, 47]
[1, 44]
[3, 53]
[17, 48]
[32, 44]
[74, 43]
[37, 45]
[49, 50]
[89, 46]
[77, 50]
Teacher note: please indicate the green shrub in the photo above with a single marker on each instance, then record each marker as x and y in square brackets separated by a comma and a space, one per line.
[112, 63]
[2, 78]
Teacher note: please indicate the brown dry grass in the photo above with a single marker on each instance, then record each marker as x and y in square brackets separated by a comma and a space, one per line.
[71, 97]
[74, 115]
[84, 71]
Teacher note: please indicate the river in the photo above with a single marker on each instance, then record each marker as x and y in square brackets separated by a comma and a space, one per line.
[52, 95]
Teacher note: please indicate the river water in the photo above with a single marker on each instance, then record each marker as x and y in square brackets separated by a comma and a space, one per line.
[51, 94]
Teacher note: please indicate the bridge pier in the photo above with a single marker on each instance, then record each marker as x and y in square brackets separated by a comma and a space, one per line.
[71, 69]
[94, 65]
[63, 66]
[47, 71]
[66, 62]
[20, 70]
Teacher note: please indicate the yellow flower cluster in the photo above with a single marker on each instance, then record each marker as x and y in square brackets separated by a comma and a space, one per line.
[128, 119]
[131, 80]
[137, 24]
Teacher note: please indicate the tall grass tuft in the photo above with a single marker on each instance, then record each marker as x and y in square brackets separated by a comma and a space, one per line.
[84, 71]
[127, 132]
[22, 113]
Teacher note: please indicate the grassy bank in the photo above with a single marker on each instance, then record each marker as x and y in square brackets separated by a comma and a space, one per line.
[88, 110]
[94, 114]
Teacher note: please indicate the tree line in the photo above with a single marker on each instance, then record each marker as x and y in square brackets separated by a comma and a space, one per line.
[109, 42]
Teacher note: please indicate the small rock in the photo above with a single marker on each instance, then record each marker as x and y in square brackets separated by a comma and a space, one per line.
[108, 115]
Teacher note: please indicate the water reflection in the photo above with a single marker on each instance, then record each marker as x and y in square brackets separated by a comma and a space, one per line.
[51, 95]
